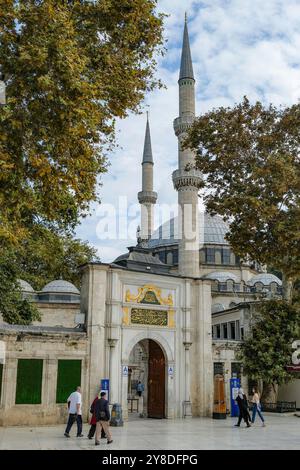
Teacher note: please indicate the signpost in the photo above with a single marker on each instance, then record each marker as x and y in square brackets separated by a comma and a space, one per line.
[235, 384]
[105, 387]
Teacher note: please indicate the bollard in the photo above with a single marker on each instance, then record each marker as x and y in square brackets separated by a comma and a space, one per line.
[116, 415]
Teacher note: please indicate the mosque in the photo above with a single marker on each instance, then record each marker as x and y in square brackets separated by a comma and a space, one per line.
[170, 312]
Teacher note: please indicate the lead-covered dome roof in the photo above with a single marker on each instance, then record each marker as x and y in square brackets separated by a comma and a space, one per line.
[221, 276]
[265, 278]
[60, 286]
[25, 286]
[212, 231]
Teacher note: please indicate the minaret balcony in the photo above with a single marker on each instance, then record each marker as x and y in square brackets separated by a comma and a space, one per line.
[147, 197]
[184, 179]
[182, 123]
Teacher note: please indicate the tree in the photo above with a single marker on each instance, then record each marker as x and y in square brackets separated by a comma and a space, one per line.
[70, 69]
[249, 156]
[267, 350]
[47, 256]
[13, 307]
[38, 260]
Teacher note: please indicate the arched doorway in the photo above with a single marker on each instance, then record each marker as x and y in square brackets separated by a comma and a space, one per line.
[156, 381]
[147, 365]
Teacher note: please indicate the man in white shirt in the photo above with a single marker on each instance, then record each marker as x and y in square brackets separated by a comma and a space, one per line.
[74, 407]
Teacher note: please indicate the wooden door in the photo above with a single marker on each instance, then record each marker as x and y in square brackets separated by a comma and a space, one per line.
[156, 381]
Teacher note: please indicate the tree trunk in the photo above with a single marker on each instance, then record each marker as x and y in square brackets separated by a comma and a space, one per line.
[287, 288]
[270, 392]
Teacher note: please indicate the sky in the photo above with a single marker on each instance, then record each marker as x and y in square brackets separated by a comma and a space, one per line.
[239, 47]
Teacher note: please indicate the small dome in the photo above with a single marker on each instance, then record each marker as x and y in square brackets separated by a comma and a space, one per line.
[25, 286]
[60, 286]
[265, 278]
[222, 276]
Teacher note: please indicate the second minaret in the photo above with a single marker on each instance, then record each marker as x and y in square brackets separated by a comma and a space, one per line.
[147, 197]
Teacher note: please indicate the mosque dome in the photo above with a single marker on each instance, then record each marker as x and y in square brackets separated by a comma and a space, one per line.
[264, 278]
[222, 276]
[212, 230]
[25, 286]
[60, 286]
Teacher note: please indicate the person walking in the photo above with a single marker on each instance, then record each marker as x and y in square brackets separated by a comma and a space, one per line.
[75, 413]
[140, 388]
[242, 402]
[102, 417]
[256, 407]
[93, 421]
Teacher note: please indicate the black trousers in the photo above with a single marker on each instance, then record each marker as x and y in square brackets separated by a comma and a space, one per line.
[71, 421]
[245, 416]
[93, 430]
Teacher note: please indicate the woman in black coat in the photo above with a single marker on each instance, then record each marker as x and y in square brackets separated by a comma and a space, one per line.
[242, 402]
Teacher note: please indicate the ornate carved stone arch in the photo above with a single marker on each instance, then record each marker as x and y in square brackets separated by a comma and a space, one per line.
[155, 336]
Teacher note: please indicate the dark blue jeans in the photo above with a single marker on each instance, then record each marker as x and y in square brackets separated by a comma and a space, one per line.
[258, 410]
[71, 421]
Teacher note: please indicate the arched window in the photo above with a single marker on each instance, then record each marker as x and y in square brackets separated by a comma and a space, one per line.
[170, 258]
[258, 286]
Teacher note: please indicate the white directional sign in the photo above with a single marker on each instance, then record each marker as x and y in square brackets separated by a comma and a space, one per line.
[125, 371]
[170, 370]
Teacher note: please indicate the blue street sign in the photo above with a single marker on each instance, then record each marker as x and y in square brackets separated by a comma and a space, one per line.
[105, 387]
[235, 384]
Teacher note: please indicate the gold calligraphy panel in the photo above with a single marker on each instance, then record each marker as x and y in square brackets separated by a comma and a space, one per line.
[145, 316]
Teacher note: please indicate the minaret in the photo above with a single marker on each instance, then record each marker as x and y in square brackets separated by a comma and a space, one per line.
[147, 197]
[186, 179]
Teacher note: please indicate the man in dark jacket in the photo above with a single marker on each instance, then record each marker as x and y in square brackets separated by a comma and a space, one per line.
[102, 417]
[242, 402]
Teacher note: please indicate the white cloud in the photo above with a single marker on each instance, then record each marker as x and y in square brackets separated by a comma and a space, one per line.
[238, 48]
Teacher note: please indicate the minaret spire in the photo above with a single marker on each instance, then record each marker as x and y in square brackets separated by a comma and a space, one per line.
[186, 179]
[186, 64]
[147, 154]
[147, 197]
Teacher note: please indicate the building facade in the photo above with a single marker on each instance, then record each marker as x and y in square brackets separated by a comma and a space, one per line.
[169, 313]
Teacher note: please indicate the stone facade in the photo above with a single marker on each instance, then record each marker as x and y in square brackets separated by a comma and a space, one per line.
[48, 346]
